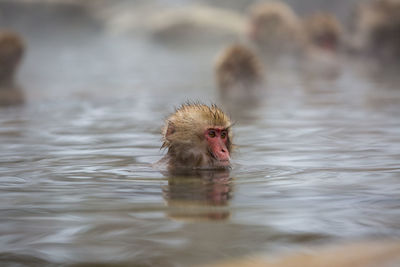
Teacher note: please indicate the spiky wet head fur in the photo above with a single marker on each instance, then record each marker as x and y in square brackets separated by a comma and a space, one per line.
[183, 133]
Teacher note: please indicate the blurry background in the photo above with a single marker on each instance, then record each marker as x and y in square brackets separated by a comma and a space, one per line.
[107, 39]
[317, 159]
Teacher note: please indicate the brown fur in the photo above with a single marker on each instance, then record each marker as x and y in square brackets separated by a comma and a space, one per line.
[196, 24]
[276, 28]
[238, 66]
[11, 52]
[377, 26]
[323, 26]
[183, 135]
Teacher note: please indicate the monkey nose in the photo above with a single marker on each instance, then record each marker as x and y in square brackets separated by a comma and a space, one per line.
[223, 154]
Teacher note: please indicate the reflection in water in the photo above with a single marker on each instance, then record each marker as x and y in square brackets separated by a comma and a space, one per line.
[203, 195]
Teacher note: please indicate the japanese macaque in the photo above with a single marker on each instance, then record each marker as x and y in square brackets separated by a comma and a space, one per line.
[11, 52]
[275, 28]
[197, 136]
[323, 31]
[377, 29]
[238, 72]
[196, 24]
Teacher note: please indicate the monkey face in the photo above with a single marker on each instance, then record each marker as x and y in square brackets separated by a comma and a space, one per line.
[198, 137]
[326, 40]
[218, 142]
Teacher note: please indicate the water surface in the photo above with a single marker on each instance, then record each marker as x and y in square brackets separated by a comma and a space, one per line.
[317, 159]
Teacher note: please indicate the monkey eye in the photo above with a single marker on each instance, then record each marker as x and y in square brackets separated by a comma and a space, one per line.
[223, 134]
[211, 133]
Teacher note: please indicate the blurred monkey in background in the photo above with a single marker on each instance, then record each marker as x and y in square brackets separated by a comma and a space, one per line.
[323, 31]
[238, 72]
[376, 27]
[275, 29]
[11, 52]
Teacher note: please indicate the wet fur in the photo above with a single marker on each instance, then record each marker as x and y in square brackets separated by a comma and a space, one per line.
[183, 136]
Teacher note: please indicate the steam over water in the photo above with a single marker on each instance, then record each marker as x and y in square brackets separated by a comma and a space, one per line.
[318, 157]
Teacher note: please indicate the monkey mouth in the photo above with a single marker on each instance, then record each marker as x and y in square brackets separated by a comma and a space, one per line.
[223, 163]
[219, 163]
[222, 160]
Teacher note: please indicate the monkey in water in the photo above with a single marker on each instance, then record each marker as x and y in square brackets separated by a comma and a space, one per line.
[323, 31]
[275, 29]
[322, 58]
[377, 29]
[197, 137]
[238, 72]
[11, 52]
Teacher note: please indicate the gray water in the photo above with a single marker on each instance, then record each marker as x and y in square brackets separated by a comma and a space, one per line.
[317, 159]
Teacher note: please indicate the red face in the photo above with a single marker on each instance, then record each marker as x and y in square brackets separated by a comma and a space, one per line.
[217, 139]
[327, 41]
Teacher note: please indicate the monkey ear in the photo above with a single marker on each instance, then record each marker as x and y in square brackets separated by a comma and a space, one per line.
[170, 130]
